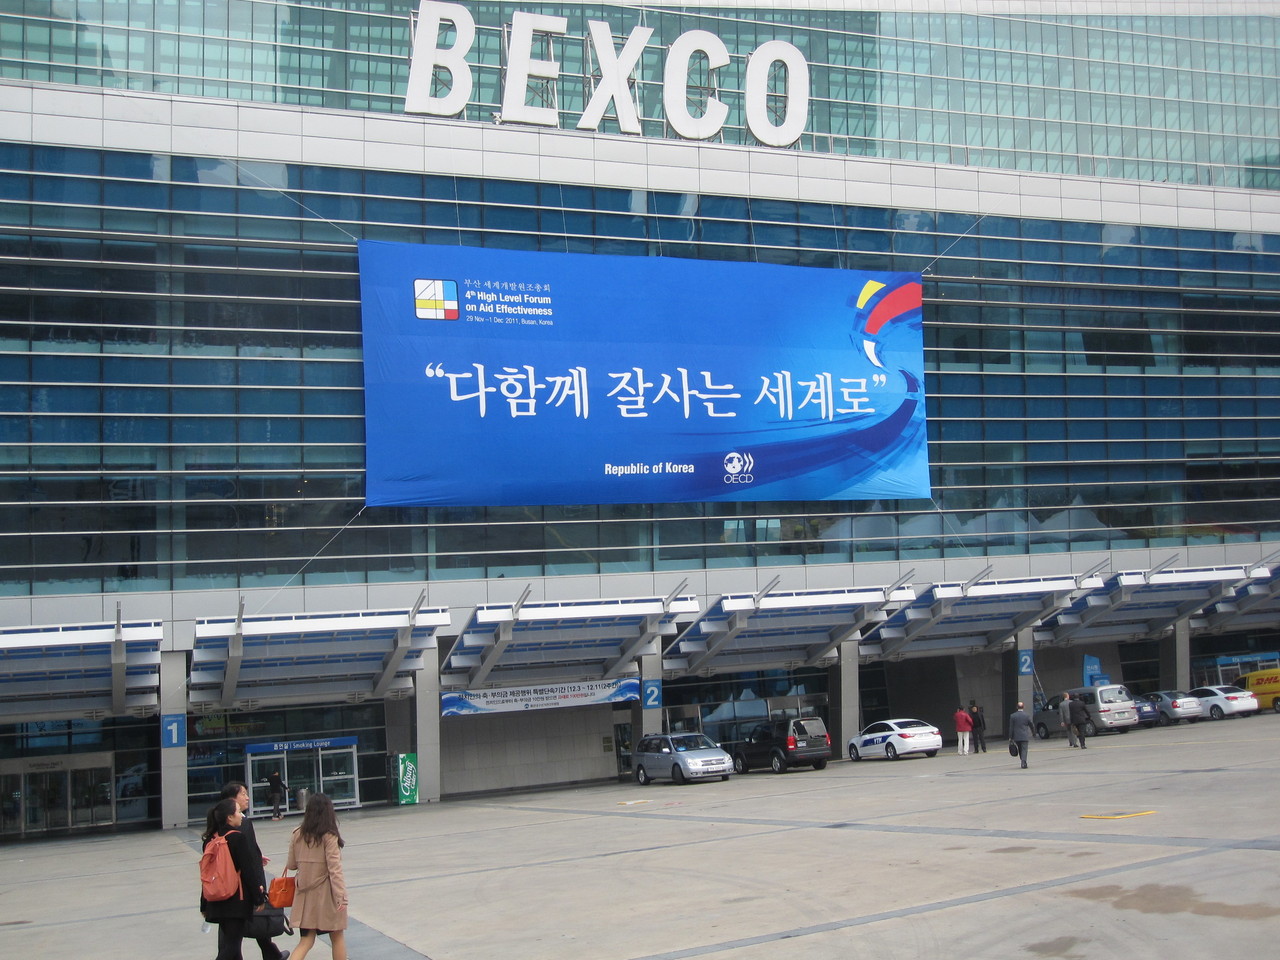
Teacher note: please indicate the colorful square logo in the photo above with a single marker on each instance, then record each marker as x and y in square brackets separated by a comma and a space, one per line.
[435, 299]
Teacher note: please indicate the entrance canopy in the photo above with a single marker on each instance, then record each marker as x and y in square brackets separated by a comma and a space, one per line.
[244, 662]
[513, 644]
[774, 630]
[1140, 605]
[970, 617]
[91, 670]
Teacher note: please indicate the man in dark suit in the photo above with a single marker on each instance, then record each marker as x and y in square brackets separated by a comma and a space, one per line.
[1020, 732]
[240, 792]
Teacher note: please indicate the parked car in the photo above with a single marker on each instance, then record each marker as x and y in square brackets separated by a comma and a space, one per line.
[896, 738]
[680, 757]
[1224, 700]
[780, 744]
[1263, 684]
[1174, 705]
[1148, 712]
[1110, 707]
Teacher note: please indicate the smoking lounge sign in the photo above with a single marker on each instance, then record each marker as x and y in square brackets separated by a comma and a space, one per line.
[435, 61]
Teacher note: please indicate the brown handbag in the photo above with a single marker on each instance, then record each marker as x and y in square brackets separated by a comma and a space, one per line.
[280, 892]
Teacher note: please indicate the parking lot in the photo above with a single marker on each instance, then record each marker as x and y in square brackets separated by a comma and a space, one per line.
[1159, 843]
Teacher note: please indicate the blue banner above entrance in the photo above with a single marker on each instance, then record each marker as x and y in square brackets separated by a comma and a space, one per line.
[498, 377]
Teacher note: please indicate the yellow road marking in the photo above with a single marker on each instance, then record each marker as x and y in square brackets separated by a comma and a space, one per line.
[1115, 816]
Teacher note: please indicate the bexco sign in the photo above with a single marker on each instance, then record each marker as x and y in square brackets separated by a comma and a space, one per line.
[615, 68]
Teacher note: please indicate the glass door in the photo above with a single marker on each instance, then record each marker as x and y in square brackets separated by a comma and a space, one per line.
[46, 796]
[11, 804]
[261, 766]
[91, 797]
[338, 779]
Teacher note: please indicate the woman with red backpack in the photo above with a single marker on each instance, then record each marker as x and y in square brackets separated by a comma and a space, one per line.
[232, 913]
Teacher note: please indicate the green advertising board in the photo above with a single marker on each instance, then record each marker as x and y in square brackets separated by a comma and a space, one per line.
[408, 778]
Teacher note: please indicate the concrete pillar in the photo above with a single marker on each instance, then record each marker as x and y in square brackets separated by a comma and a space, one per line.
[847, 709]
[1026, 681]
[426, 703]
[173, 711]
[1182, 655]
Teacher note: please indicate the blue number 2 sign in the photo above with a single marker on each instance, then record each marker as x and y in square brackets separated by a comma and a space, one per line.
[651, 694]
[1026, 663]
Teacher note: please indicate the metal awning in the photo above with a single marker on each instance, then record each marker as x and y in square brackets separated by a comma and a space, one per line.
[775, 630]
[970, 617]
[244, 662]
[1253, 606]
[1142, 605]
[91, 670]
[525, 643]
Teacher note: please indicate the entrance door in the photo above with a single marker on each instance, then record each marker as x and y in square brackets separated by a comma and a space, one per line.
[338, 780]
[91, 797]
[261, 766]
[46, 801]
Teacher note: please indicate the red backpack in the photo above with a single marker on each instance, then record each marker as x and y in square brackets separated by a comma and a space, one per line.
[218, 877]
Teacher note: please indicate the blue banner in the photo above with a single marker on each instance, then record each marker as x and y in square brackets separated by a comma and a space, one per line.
[498, 377]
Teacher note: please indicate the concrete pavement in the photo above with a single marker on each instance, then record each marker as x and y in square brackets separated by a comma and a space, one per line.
[955, 857]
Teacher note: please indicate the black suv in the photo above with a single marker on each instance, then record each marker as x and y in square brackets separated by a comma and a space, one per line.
[780, 744]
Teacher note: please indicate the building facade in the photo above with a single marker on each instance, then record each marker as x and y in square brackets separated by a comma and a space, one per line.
[1090, 192]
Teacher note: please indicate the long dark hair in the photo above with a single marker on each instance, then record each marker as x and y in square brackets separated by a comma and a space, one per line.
[319, 819]
[217, 819]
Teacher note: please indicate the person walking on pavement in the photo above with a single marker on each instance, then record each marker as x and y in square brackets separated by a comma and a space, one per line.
[1064, 711]
[1079, 720]
[237, 791]
[1020, 732]
[979, 728]
[276, 792]
[964, 726]
[320, 906]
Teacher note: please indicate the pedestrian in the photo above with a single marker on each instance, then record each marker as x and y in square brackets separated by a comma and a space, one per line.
[276, 792]
[979, 727]
[964, 726]
[1020, 732]
[225, 819]
[320, 903]
[237, 791]
[1079, 720]
[1064, 712]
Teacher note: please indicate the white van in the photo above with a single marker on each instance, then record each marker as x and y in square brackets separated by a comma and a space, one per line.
[1110, 706]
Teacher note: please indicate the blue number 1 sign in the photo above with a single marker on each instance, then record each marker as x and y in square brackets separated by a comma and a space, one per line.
[173, 730]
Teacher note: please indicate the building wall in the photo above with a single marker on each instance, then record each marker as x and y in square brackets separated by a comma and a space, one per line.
[507, 751]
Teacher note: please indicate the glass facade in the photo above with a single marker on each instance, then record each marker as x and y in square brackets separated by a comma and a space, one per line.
[181, 403]
[1137, 96]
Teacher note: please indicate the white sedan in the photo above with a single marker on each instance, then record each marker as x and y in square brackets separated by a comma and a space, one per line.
[1224, 701]
[895, 738]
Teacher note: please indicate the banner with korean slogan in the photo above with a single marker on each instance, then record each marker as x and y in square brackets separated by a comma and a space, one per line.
[500, 377]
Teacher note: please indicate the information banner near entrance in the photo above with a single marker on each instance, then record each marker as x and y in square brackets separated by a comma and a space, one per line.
[502, 377]
[457, 703]
[407, 778]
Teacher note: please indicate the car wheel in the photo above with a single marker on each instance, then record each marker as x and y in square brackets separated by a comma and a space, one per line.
[934, 753]
[853, 753]
[724, 778]
[642, 777]
[890, 751]
[819, 764]
[740, 764]
[1089, 729]
[1163, 721]
[677, 774]
[1275, 704]
[1216, 712]
[1042, 731]
[778, 763]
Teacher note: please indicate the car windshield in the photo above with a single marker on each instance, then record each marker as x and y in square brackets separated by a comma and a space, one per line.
[1176, 695]
[692, 741]
[1114, 695]
[911, 724]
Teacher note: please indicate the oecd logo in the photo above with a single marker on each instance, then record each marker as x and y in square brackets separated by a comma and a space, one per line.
[738, 467]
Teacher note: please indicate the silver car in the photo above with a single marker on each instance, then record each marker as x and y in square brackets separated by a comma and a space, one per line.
[679, 756]
[1175, 705]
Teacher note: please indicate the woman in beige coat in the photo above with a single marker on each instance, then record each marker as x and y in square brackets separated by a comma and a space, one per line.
[320, 902]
